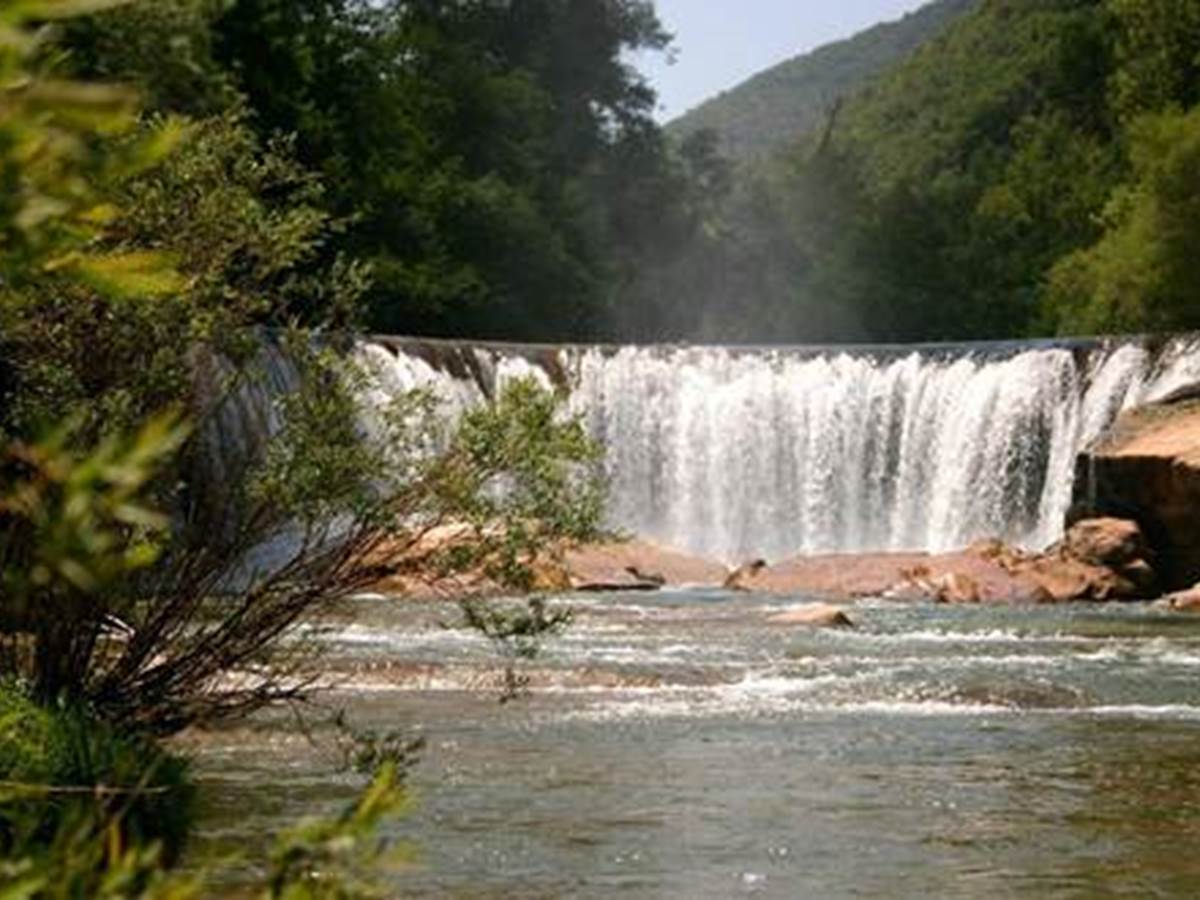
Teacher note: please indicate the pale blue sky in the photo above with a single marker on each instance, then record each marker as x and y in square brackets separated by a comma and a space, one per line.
[720, 43]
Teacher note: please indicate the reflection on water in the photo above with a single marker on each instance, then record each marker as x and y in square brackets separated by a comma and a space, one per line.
[677, 746]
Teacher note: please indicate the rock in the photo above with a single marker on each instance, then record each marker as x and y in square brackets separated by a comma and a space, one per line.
[1147, 468]
[964, 577]
[919, 583]
[1066, 580]
[741, 577]
[647, 577]
[812, 615]
[954, 587]
[1106, 542]
[1142, 576]
[1184, 601]
[637, 565]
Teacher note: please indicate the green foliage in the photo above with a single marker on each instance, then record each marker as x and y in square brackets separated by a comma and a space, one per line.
[74, 526]
[525, 477]
[53, 161]
[84, 515]
[477, 144]
[1158, 56]
[117, 280]
[60, 767]
[1141, 274]
[163, 47]
[90, 854]
[241, 224]
[342, 858]
[517, 630]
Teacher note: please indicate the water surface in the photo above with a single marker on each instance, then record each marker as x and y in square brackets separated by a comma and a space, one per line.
[677, 745]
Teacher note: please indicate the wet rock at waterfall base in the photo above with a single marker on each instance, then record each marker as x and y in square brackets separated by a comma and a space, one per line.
[987, 572]
[914, 577]
[1106, 542]
[637, 565]
[741, 578]
[1098, 560]
[1147, 468]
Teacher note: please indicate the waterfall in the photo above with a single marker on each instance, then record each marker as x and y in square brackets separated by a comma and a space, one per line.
[735, 453]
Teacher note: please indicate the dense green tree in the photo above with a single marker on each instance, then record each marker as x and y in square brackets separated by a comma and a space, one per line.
[1158, 55]
[164, 47]
[1141, 275]
[499, 157]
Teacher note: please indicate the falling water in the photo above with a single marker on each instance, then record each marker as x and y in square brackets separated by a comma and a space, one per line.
[775, 453]
[734, 453]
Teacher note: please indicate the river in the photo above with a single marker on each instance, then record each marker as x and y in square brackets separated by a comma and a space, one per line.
[678, 745]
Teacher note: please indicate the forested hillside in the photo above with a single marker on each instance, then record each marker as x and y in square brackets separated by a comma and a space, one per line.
[792, 98]
[1035, 170]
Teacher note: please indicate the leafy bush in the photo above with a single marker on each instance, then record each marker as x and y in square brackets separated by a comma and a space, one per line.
[58, 765]
[88, 854]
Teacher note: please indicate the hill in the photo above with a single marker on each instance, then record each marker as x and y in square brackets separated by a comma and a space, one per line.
[1033, 170]
[793, 97]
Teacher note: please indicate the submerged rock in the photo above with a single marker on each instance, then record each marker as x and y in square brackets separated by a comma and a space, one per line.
[812, 615]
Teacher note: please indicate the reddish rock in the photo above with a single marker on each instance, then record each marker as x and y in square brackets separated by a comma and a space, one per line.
[638, 564]
[742, 577]
[812, 615]
[1147, 468]
[1106, 542]
[1184, 601]
[965, 577]
[1065, 580]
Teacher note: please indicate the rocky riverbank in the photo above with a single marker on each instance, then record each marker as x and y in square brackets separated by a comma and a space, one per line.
[1098, 560]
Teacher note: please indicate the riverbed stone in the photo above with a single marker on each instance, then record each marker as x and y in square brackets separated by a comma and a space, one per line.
[812, 615]
[1183, 601]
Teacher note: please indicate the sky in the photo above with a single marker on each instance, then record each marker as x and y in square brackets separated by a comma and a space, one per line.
[720, 43]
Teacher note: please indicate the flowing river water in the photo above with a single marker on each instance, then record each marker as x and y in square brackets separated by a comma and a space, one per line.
[678, 745]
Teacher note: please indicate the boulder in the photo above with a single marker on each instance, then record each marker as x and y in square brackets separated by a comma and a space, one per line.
[1147, 469]
[637, 565]
[1106, 542]
[920, 583]
[964, 577]
[741, 578]
[1184, 601]
[955, 587]
[812, 615]
[1098, 560]
[1066, 580]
